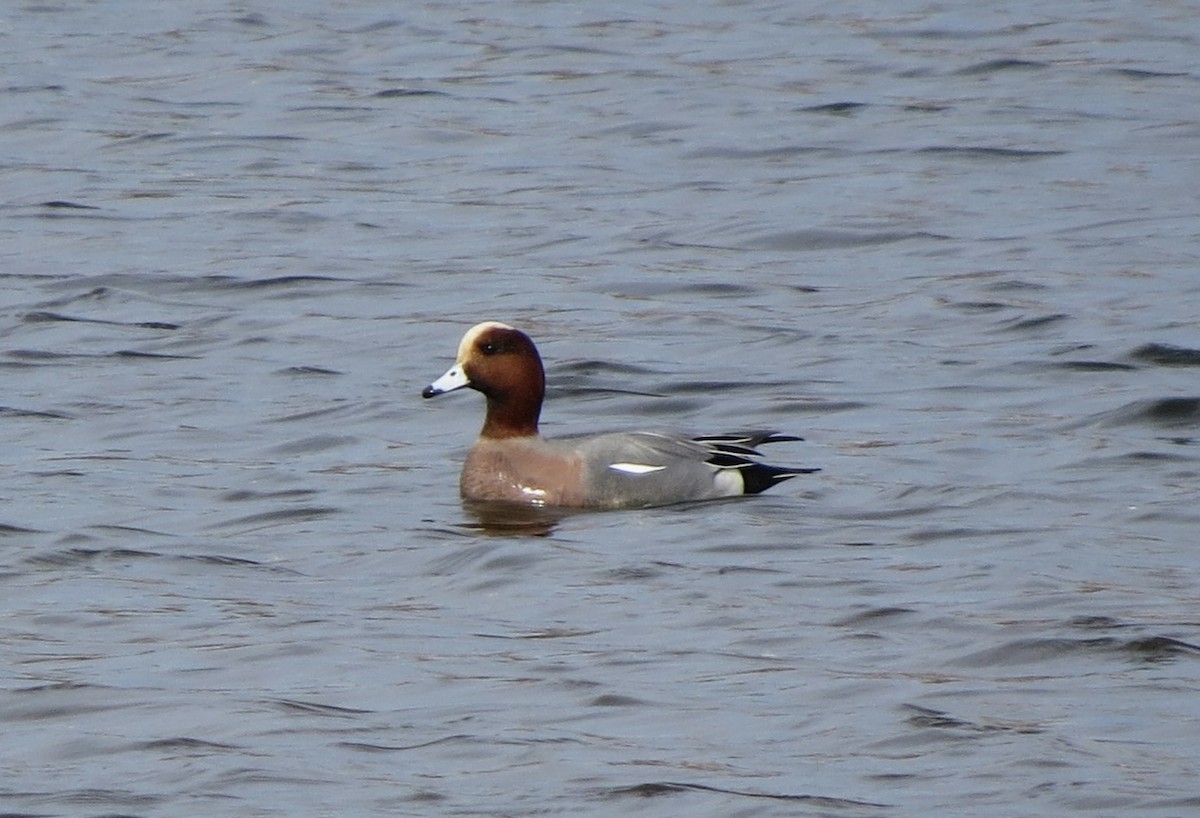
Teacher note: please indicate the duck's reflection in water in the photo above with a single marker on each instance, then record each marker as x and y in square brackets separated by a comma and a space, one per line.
[514, 519]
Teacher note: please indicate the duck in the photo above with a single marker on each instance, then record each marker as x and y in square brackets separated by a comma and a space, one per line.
[511, 462]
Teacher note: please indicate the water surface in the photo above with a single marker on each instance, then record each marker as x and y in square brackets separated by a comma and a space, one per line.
[954, 249]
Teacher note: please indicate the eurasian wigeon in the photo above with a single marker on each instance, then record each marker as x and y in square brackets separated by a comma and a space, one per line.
[512, 462]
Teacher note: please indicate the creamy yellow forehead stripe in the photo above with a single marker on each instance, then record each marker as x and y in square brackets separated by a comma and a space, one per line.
[468, 340]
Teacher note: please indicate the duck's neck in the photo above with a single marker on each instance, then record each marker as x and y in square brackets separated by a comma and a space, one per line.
[512, 416]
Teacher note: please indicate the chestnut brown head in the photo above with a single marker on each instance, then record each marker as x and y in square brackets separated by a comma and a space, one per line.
[502, 363]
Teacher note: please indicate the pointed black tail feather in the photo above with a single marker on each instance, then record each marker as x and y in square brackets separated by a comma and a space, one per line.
[736, 450]
[758, 477]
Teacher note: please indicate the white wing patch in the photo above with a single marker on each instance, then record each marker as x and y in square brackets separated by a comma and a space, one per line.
[635, 468]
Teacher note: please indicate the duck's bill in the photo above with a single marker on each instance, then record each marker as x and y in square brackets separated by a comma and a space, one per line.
[455, 378]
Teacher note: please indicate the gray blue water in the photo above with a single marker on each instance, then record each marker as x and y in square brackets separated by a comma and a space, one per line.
[953, 247]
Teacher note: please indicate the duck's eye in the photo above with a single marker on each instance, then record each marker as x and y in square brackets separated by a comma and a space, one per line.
[490, 348]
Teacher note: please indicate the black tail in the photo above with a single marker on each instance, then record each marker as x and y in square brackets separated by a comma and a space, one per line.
[758, 477]
[736, 450]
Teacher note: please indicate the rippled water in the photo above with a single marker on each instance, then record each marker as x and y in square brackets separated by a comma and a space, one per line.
[954, 249]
